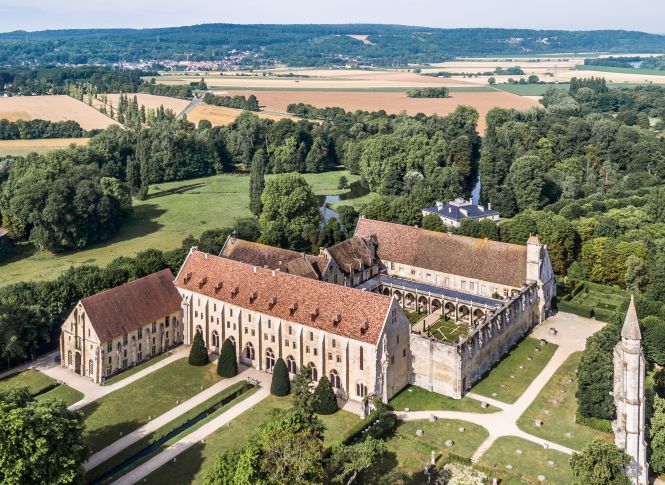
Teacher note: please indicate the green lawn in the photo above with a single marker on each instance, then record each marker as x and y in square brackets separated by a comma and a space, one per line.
[192, 463]
[510, 366]
[559, 426]
[136, 368]
[407, 452]
[532, 462]
[419, 399]
[128, 408]
[171, 212]
[35, 380]
[447, 329]
[530, 89]
[414, 316]
[64, 392]
[148, 440]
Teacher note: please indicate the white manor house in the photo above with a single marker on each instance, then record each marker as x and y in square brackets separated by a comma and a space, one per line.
[342, 312]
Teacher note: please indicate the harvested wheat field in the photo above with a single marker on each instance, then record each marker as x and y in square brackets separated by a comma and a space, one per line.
[393, 102]
[150, 101]
[221, 115]
[53, 108]
[24, 147]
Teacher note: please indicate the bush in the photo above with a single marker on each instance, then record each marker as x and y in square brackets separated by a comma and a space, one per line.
[227, 364]
[198, 354]
[325, 401]
[280, 385]
[569, 307]
[603, 315]
[604, 425]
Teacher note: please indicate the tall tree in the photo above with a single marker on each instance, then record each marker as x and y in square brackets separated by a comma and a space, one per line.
[227, 364]
[600, 463]
[257, 181]
[198, 354]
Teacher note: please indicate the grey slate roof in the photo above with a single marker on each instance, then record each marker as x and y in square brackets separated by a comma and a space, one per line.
[453, 211]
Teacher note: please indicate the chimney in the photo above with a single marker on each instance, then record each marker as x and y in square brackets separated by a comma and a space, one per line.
[293, 307]
[255, 269]
[439, 205]
[274, 272]
[205, 255]
[489, 206]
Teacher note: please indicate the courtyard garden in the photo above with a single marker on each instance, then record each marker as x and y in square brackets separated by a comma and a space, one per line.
[120, 412]
[192, 463]
[449, 330]
[591, 300]
[556, 407]
[418, 399]
[529, 459]
[507, 380]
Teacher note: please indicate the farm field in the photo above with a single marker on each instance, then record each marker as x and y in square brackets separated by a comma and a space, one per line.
[24, 147]
[53, 108]
[221, 115]
[393, 102]
[622, 70]
[161, 221]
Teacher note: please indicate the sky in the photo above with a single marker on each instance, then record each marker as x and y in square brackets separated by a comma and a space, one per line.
[644, 15]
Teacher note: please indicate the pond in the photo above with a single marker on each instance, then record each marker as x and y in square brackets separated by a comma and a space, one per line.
[356, 189]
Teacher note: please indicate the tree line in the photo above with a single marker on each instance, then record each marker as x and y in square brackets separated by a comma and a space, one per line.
[38, 129]
[428, 92]
[249, 103]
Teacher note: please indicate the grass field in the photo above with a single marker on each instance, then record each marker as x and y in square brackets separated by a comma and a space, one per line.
[621, 70]
[33, 379]
[116, 414]
[64, 392]
[532, 462]
[20, 148]
[419, 399]
[530, 89]
[137, 368]
[516, 364]
[559, 426]
[170, 213]
[192, 463]
[403, 463]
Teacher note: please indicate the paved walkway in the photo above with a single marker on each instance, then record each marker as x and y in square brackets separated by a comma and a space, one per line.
[570, 335]
[92, 391]
[136, 435]
[191, 439]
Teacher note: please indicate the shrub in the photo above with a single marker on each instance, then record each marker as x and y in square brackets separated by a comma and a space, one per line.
[325, 402]
[198, 354]
[227, 364]
[280, 385]
[581, 310]
[604, 425]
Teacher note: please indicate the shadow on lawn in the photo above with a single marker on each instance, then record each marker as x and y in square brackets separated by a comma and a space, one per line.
[102, 437]
[387, 472]
[176, 190]
[183, 470]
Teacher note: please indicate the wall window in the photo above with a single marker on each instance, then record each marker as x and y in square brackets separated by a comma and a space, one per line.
[215, 338]
[335, 380]
[339, 359]
[249, 351]
[154, 327]
[397, 339]
[334, 344]
[140, 333]
[249, 317]
[316, 351]
[472, 286]
[289, 329]
[463, 284]
[168, 321]
[270, 359]
[291, 364]
[315, 374]
[329, 356]
[361, 389]
[505, 293]
[253, 332]
[214, 307]
[272, 338]
[286, 343]
[483, 289]
[307, 349]
[109, 346]
[246, 330]
[392, 359]
[265, 336]
[124, 339]
[69, 357]
[447, 281]
[311, 336]
[269, 323]
[196, 314]
[212, 319]
[404, 353]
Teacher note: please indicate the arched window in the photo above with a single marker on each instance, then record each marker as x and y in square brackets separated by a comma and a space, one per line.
[174, 321]
[215, 339]
[270, 359]
[315, 374]
[91, 367]
[119, 346]
[249, 351]
[69, 358]
[361, 389]
[291, 364]
[335, 380]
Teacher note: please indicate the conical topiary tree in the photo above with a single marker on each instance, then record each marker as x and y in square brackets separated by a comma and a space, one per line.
[280, 385]
[227, 364]
[198, 354]
[325, 401]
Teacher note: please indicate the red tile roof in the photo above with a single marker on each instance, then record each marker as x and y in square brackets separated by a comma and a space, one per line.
[481, 259]
[289, 297]
[126, 308]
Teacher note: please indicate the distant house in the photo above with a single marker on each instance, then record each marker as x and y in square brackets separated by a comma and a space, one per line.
[453, 213]
[121, 327]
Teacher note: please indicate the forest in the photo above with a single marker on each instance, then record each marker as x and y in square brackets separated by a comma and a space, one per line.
[307, 45]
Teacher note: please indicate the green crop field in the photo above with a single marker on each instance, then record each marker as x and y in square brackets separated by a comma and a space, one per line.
[530, 89]
[623, 70]
[171, 212]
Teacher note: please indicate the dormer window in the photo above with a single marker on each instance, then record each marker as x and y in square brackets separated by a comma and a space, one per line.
[252, 296]
[364, 327]
[188, 276]
[218, 286]
[337, 319]
[203, 281]
[314, 313]
[235, 291]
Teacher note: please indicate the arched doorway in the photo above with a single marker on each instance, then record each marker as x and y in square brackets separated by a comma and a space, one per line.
[215, 340]
[436, 306]
[270, 359]
[409, 300]
[478, 315]
[449, 310]
[77, 363]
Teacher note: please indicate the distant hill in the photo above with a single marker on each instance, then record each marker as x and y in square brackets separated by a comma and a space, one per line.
[308, 45]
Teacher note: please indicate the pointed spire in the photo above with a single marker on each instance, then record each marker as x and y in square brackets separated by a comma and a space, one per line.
[631, 326]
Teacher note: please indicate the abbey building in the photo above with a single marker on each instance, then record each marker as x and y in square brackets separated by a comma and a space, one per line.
[389, 306]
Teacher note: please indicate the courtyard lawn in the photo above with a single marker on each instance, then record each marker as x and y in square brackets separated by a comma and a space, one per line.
[532, 462]
[64, 392]
[403, 463]
[192, 463]
[419, 399]
[120, 412]
[559, 426]
[414, 317]
[447, 329]
[171, 212]
[516, 364]
[137, 368]
[35, 380]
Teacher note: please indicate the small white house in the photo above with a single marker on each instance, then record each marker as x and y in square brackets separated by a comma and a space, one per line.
[454, 212]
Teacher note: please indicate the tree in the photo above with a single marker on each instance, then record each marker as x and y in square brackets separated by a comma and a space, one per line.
[600, 463]
[198, 354]
[280, 384]
[326, 401]
[347, 461]
[42, 441]
[227, 364]
[343, 183]
[303, 398]
[653, 334]
[491, 81]
[433, 222]
[657, 435]
[257, 181]
[635, 275]
[526, 179]
[317, 157]
[595, 374]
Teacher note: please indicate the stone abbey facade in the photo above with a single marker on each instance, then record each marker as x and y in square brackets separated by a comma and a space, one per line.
[342, 312]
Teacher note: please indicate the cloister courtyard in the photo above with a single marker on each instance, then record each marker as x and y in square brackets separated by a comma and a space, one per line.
[517, 423]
